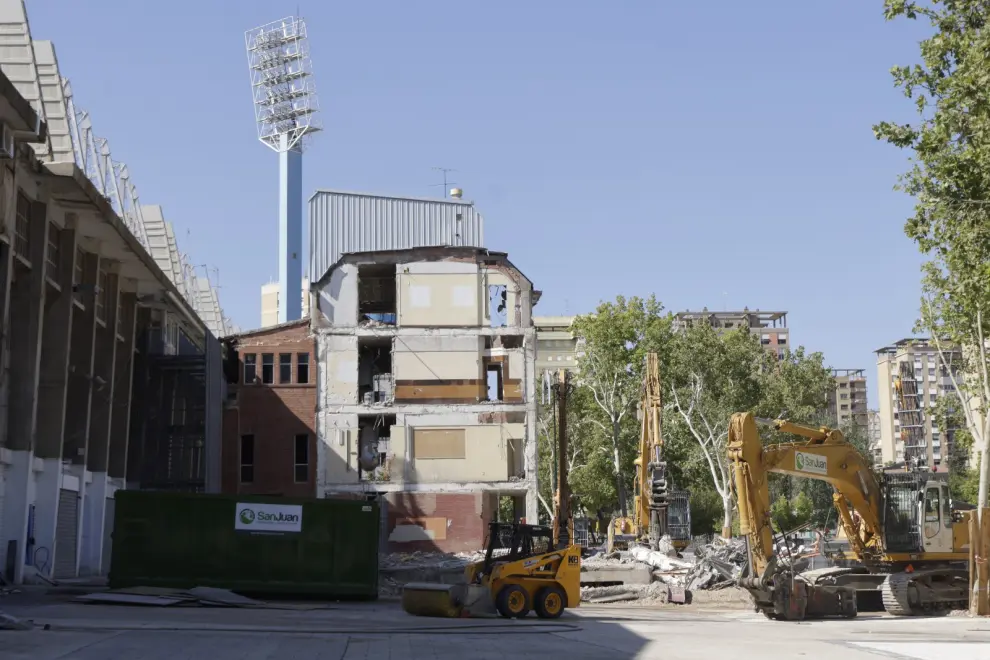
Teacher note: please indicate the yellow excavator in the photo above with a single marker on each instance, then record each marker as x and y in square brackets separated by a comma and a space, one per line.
[658, 510]
[905, 539]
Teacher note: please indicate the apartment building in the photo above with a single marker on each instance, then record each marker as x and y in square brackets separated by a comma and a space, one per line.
[847, 401]
[557, 345]
[873, 433]
[771, 326]
[269, 418]
[910, 380]
[426, 389]
[270, 302]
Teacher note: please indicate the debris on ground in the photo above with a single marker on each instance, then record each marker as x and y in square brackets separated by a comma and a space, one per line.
[197, 596]
[442, 560]
[719, 564]
[399, 568]
[8, 622]
[703, 566]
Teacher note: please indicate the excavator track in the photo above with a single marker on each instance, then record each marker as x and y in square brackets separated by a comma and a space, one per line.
[896, 592]
[925, 591]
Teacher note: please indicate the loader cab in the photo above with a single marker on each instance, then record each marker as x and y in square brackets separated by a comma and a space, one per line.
[936, 517]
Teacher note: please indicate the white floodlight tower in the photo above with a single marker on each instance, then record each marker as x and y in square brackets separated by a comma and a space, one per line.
[285, 107]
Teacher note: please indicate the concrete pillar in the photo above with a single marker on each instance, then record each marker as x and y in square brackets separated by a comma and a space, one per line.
[94, 492]
[120, 421]
[77, 406]
[140, 396]
[80, 382]
[18, 493]
[55, 351]
[27, 296]
[52, 388]
[40, 545]
[101, 398]
[5, 454]
[6, 262]
[532, 442]
[26, 304]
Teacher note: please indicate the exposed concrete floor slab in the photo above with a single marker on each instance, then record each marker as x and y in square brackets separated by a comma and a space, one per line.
[382, 630]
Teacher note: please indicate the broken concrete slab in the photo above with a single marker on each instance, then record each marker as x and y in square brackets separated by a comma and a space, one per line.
[618, 574]
[223, 597]
[8, 622]
[110, 598]
[658, 559]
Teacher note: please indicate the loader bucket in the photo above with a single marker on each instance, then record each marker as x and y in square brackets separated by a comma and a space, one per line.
[447, 600]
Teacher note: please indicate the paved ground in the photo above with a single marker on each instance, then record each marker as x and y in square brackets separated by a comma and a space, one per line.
[382, 631]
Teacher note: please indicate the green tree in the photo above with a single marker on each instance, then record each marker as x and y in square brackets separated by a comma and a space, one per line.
[616, 339]
[963, 477]
[712, 375]
[789, 514]
[950, 181]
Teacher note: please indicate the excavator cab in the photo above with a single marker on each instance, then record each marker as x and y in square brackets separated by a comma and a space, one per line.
[917, 513]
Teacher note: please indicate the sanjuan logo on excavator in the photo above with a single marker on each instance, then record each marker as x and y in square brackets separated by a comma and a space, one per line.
[810, 463]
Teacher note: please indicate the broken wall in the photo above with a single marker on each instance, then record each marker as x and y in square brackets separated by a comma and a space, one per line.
[439, 522]
[337, 299]
[425, 448]
[441, 294]
[438, 368]
[337, 370]
[336, 449]
[436, 449]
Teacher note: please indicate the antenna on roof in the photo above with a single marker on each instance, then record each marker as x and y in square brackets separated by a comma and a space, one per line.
[446, 183]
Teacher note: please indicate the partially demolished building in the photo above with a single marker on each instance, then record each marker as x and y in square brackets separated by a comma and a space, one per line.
[426, 378]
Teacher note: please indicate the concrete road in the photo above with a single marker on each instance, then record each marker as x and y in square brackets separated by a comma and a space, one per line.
[382, 630]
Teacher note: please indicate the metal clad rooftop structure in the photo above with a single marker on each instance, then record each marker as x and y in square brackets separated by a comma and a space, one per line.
[341, 222]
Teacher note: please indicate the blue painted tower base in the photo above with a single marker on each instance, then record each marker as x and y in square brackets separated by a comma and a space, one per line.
[289, 231]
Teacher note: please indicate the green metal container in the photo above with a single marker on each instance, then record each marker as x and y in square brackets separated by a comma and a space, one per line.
[246, 543]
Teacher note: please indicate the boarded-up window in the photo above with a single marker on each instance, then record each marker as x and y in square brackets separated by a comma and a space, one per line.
[438, 443]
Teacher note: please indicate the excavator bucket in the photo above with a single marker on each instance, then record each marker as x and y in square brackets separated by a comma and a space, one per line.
[447, 600]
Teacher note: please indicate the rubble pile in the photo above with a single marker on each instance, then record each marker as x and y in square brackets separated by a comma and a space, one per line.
[718, 565]
[702, 567]
[441, 560]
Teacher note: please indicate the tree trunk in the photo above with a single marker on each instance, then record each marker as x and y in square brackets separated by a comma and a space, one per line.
[727, 516]
[620, 488]
[984, 466]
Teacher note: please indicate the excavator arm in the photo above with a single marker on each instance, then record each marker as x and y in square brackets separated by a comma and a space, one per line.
[823, 454]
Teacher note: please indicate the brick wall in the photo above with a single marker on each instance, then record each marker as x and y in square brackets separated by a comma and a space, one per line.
[274, 414]
[438, 522]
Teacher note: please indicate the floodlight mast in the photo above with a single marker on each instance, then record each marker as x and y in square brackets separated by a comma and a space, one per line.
[285, 110]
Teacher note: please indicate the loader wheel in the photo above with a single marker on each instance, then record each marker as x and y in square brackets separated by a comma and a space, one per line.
[550, 602]
[512, 602]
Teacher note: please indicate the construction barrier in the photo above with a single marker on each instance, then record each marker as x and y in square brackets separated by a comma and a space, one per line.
[246, 543]
[979, 553]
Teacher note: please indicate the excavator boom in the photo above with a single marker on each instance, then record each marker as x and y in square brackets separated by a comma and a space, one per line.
[657, 509]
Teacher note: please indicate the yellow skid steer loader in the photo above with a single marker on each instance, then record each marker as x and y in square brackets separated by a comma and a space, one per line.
[521, 572]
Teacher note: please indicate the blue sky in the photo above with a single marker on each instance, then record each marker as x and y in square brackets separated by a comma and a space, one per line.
[715, 153]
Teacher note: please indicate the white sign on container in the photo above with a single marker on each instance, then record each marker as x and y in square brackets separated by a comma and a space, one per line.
[256, 517]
